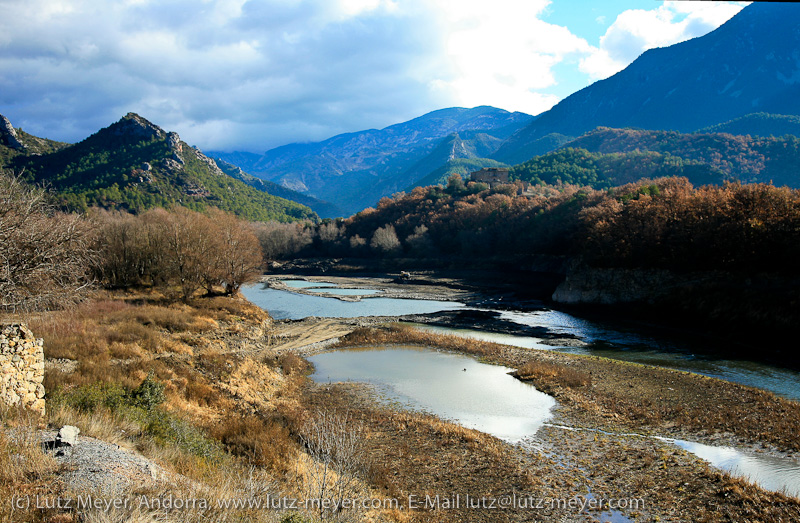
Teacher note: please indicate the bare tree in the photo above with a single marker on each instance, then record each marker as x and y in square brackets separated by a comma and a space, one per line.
[189, 243]
[235, 252]
[44, 255]
[385, 240]
[336, 444]
[282, 240]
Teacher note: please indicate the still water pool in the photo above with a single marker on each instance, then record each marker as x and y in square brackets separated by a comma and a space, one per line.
[283, 305]
[450, 386]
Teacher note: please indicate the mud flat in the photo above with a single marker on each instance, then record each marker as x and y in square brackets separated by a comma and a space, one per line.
[599, 444]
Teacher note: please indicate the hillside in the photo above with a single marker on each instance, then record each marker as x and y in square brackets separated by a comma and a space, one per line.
[758, 124]
[322, 208]
[355, 170]
[602, 171]
[745, 158]
[746, 65]
[16, 142]
[134, 165]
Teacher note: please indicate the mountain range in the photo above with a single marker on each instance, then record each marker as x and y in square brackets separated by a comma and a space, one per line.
[743, 78]
[750, 64]
[355, 170]
[724, 106]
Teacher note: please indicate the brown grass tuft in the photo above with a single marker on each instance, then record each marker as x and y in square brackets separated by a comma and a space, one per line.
[538, 371]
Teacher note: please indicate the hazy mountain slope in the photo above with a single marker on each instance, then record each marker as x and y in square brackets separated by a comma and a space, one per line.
[135, 165]
[323, 209]
[354, 170]
[460, 166]
[749, 64]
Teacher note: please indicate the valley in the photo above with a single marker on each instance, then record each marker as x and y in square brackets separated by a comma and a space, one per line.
[434, 262]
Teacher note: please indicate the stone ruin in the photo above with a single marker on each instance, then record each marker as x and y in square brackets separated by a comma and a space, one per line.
[21, 368]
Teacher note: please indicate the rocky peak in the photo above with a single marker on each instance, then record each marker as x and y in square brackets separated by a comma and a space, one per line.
[208, 161]
[134, 125]
[8, 135]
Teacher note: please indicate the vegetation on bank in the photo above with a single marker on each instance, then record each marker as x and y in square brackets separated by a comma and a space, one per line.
[664, 223]
[180, 384]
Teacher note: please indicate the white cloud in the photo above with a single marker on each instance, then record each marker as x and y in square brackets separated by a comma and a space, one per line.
[503, 55]
[253, 74]
[636, 30]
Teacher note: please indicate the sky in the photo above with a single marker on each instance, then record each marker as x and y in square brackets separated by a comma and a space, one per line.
[250, 75]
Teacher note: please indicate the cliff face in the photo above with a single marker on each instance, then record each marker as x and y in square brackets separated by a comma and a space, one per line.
[8, 135]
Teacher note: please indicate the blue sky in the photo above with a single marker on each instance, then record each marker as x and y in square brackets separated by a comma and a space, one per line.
[255, 74]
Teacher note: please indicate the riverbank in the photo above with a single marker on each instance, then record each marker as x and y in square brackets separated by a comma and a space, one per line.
[611, 402]
[741, 315]
[234, 421]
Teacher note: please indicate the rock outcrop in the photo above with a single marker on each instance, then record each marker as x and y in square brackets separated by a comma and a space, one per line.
[8, 135]
[134, 125]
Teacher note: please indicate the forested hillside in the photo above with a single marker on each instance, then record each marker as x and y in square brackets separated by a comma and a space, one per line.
[134, 165]
[602, 171]
[745, 158]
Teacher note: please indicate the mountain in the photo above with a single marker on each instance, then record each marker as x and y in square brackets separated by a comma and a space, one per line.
[749, 64]
[744, 158]
[322, 208]
[355, 170]
[16, 142]
[135, 165]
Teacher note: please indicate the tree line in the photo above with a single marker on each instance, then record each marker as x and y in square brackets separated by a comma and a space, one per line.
[662, 223]
[50, 258]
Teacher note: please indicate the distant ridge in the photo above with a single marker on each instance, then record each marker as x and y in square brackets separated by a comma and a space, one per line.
[355, 170]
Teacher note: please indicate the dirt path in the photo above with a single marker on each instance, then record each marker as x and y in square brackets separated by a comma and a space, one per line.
[301, 336]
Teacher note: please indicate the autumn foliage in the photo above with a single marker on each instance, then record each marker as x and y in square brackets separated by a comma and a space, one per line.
[663, 223]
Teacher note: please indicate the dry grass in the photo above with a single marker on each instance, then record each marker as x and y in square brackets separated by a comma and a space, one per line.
[204, 430]
[25, 470]
[261, 442]
[550, 374]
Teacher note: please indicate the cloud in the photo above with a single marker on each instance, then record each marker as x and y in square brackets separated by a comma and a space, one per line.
[265, 71]
[254, 74]
[636, 30]
[502, 56]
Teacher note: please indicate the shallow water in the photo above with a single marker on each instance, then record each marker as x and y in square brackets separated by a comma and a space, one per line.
[347, 292]
[443, 384]
[304, 284]
[289, 305]
[635, 347]
[769, 472]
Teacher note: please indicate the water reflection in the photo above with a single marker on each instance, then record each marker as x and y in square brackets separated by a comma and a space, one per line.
[445, 385]
[289, 305]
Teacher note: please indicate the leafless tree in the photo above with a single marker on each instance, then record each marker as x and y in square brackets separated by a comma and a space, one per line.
[235, 255]
[282, 240]
[44, 255]
[385, 240]
[336, 443]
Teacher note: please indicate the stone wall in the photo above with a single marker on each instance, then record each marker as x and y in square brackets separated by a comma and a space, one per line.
[21, 367]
